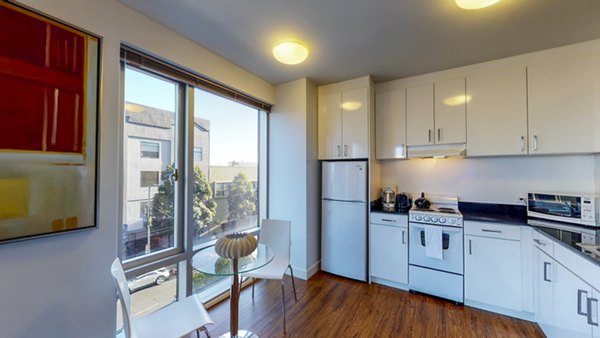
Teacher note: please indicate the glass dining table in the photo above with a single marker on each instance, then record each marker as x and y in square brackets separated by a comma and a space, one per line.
[209, 262]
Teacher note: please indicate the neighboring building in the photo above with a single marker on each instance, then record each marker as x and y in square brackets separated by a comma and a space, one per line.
[149, 149]
[220, 178]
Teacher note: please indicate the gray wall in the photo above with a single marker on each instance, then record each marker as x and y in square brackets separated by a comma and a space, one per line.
[60, 286]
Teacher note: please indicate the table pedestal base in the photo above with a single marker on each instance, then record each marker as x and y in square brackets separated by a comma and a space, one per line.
[241, 334]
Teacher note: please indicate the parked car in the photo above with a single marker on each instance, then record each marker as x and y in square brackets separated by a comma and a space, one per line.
[156, 277]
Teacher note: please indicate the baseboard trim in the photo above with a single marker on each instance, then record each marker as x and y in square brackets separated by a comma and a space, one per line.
[305, 274]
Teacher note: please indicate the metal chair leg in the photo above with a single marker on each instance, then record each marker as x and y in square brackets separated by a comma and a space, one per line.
[283, 305]
[253, 281]
[203, 329]
[293, 283]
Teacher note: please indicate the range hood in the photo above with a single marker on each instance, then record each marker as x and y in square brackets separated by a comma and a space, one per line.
[436, 150]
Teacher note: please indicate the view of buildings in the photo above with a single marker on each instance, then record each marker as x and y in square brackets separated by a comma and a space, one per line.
[150, 142]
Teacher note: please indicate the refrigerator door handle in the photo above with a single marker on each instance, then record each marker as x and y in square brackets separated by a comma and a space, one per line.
[345, 201]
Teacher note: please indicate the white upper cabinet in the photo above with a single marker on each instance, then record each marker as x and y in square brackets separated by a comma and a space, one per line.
[497, 113]
[419, 115]
[344, 124]
[390, 124]
[435, 114]
[355, 123]
[564, 105]
[330, 131]
[450, 112]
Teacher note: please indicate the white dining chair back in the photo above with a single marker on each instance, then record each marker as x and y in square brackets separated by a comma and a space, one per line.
[276, 234]
[118, 274]
[173, 321]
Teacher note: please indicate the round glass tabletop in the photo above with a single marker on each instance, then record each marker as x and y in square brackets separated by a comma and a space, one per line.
[209, 262]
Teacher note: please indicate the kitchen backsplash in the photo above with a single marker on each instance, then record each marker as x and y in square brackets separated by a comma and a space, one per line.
[494, 180]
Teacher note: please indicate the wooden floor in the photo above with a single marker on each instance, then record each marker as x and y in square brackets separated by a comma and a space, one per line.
[330, 306]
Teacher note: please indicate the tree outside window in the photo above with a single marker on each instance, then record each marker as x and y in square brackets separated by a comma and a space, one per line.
[241, 198]
[204, 207]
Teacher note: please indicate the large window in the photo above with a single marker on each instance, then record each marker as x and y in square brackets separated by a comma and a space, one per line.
[194, 170]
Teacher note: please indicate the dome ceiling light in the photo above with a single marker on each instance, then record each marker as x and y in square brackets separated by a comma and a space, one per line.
[475, 4]
[290, 52]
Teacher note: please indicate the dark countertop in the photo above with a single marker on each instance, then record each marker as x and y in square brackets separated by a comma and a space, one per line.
[377, 207]
[569, 240]
[493, 212]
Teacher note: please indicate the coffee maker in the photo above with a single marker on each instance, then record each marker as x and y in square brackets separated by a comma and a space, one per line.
[388, 198]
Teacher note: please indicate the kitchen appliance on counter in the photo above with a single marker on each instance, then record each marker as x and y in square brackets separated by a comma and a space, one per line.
[578, 209]
[403, 202]
[388, 196]
[422, 202]
[344, 219]
[436, 249]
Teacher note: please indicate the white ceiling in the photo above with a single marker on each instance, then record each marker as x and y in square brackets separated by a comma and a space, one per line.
[388, 39]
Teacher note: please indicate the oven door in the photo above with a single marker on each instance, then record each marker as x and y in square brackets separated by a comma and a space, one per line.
[452, 249]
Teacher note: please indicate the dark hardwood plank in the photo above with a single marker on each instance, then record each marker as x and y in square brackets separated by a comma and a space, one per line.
[331, 306]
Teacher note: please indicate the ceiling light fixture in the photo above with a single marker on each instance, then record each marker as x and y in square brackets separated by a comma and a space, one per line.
[290, 52]
[475, 4]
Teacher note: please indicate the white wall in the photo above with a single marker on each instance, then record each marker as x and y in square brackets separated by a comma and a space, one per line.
[598, 174]
[313, 196]
[60, 286]
[497, 180]
[293, 169]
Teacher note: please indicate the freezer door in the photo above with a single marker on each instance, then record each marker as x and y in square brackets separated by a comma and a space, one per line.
[344, 239]
[345, 181]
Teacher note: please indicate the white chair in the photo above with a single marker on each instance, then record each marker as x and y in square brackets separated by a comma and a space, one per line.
[174, 320]
[276, 234]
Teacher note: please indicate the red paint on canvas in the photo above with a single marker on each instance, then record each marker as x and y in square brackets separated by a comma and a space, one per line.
[42, 83]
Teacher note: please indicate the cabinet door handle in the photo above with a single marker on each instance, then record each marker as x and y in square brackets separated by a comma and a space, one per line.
[429, 135]
[403, 241]
[339, 152]
[592, 310]
[539, 242]
[345, 150]
[439, 134]
[494, 231]
[546, 266]
[580, 302]
[388, 220]
[535, 143]
[470, 248]
[522, 143]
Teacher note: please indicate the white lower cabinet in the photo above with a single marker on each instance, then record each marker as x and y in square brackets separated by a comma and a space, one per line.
[544, 266]
[492, 272]
[493, 261]
[566, 305]
[388, 246]
[571, 296]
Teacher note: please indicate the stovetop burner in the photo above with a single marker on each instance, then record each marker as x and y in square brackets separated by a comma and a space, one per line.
[444, 210]
[447, 210]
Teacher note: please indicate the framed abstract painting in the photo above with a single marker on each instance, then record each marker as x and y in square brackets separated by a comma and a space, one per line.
[49, 98]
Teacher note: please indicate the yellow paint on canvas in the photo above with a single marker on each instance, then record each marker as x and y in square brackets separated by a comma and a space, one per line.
[71, 222]
[14, 197]
[58, 224]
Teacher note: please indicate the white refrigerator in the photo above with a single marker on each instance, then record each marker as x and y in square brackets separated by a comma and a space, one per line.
[344, 219]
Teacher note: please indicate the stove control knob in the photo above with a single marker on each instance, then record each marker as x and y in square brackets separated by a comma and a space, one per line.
[426, 218]
[442, 220]
[434, 219]
[451, 221]
[418, 217]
